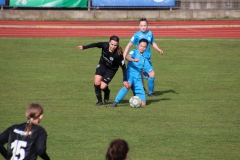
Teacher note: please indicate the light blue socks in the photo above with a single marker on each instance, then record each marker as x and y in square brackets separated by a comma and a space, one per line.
[121, 94]
[151, 84]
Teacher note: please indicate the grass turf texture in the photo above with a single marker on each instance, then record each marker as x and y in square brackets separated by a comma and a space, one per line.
[196, 114]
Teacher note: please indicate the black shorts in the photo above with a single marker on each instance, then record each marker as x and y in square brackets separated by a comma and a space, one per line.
[106, 73]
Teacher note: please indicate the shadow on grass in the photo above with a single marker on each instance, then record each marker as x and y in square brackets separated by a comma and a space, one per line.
[157, 98]
[164, 92]
[150, 100]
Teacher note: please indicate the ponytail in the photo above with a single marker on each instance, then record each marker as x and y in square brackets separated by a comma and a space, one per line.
[119, 50]
[34, 111]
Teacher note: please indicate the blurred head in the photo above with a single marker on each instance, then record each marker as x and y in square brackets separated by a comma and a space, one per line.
[113, 43]
[143, 24]
[117, 150]
[143, 43]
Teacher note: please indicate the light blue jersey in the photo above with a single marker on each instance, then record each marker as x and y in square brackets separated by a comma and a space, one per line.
[135, 68]
[148, 35]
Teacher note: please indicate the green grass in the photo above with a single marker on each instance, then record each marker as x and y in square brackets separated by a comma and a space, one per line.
[196, 114]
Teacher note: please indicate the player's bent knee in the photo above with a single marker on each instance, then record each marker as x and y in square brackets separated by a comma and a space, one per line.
[102, 88]
[103, 85]
[151, 74]
[97, 83]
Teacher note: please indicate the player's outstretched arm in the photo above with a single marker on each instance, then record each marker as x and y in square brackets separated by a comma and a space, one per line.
[127, 49]
[155, 46]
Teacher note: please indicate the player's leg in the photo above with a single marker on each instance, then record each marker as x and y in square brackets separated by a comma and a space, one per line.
[144, 75]
[139, 91]
[106, 91]
[100, 71]
[97, 88]
[108, 76]
[151, 84]
[151, 79]
[121, 94]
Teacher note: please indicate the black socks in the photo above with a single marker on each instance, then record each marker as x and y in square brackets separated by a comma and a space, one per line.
[98, 92]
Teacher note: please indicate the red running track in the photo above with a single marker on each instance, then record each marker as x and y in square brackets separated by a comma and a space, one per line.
[177, 29]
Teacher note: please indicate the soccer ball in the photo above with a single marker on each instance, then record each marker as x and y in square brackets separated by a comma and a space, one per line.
[135, 101]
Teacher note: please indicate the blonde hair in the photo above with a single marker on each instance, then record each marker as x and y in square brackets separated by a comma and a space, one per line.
[33, 112]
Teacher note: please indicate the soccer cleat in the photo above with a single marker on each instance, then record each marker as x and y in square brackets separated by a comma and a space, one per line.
[152, 95]
[114, 104]
[106, 96]
[99, 104]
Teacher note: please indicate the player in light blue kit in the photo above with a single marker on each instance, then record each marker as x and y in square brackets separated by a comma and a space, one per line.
[136, 63]
[146, 34]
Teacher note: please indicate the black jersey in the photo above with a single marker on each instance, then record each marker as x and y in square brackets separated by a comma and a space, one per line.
[111, 59]
[22, 147]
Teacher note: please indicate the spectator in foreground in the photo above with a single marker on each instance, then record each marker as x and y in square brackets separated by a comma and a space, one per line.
[25, 141]
[117, 150]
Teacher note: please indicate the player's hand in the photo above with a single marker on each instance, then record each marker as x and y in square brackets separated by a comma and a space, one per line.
[126, 84]
[160, 51]
[80, 47]
[135, 60]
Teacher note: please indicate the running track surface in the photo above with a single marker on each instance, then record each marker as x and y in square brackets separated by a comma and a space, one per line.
[176, 29]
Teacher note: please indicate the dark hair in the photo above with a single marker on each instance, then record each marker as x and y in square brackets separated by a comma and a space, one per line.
[143, 19]
[117, 150]
[143, 40]
[33, 111]
[115, 38]
[119, 48]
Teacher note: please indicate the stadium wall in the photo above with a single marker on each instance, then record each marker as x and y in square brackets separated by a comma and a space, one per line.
[11, 14]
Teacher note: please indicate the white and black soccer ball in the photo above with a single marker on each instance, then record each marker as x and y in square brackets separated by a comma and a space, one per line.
[135, 101]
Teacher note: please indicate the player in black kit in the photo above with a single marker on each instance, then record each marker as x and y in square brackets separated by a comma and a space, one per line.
[25, 141]
[110, 60]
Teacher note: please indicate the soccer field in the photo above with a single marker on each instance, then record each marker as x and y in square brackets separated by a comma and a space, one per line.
[196, 114]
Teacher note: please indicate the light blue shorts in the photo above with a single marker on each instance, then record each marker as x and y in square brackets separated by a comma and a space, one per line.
[147, 68]
[137, 87]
